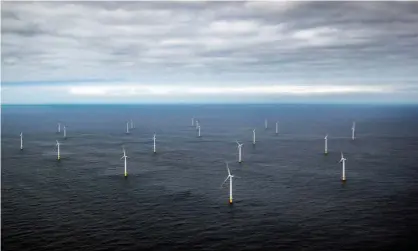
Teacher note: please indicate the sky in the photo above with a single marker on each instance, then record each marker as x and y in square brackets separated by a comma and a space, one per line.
[209, 52]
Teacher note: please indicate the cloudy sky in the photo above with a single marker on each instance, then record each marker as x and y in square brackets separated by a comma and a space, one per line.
[171, 52]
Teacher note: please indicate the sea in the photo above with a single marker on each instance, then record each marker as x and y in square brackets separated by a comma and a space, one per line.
[287, 194]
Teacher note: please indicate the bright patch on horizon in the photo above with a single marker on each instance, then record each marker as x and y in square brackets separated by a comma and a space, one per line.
[223, 90]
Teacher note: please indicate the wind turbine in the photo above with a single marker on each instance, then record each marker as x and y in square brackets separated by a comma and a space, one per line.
[65, 132]
[343, 161]
[353, 129]
[21, 141]
[239, 151]
[198, 128]
[230, 176]
[58, 152]
[154, 143]
[59, 127]
[127, 127]
[265, 123]
[326, 144]
[253, 136]
[124, 156]
[277, 127]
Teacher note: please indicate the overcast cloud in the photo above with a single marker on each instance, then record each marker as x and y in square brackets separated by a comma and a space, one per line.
[76, 52]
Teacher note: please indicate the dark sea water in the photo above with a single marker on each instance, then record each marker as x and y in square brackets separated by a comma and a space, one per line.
[289, 195]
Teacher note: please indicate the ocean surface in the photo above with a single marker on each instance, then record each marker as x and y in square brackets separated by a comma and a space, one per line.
[288, 196]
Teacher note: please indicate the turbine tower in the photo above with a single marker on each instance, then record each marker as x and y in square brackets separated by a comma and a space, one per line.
[230, 176]
[154, 143]
[58, 152]
[239, 151]
[277, 127]
[253, 136]
[21, 141]
[59, 127]
[353, 129]
[132, 124]
[127, 127]
[343, 161]
[124, 156]
[326, 144]
[198, 129]
[65, 132]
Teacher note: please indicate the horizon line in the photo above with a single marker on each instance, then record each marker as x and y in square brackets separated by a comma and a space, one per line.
[220, 103]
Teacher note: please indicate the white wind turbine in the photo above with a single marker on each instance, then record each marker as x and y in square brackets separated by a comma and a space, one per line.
[127, 127]
[253, 136]
[277, 127]
[124, 156]
[343, 161]
[353, 129]
[58, 152]
[239, 151]
[65, 132]
[326, 144]
[230, 176]
[21, 141]
[154, 143]
[59, 127]
[198, 129]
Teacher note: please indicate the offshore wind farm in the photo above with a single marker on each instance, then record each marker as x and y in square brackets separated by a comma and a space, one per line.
[121, 119]
[285, 180]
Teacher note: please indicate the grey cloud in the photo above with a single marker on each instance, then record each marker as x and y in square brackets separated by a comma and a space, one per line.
[274, 40]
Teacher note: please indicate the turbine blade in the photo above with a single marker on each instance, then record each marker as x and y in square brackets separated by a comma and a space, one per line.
[224, 181]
